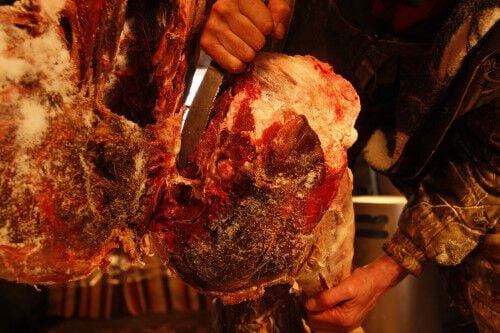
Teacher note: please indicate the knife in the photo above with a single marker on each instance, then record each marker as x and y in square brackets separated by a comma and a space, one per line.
[199, 113]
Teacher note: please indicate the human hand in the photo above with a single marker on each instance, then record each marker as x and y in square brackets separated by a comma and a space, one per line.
[235, 30]
[344, 307]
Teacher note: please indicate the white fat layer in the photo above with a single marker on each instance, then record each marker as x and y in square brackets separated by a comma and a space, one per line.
[140, 176]
[33, 122]
[43, 59]
[42, 66]
[305, 87]
[11, 69]
[121, 61]
[50, 62]
[52, 7]
[35, 84]
[139, 163]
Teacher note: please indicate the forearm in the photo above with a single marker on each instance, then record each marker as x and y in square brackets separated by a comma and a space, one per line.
[386, 272]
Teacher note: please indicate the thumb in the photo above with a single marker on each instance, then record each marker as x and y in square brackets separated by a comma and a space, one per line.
[281, 12]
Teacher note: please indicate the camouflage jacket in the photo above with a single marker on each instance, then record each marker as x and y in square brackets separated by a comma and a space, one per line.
[429, 119]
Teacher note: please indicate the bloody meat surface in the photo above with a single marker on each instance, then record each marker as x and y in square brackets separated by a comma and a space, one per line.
[77, 177]
[91, 99]
[266, 170]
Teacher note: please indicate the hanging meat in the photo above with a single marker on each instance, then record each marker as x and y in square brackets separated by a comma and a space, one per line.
[91, 99]
[271, 164]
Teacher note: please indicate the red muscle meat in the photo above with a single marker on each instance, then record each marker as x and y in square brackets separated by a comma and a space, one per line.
[91, 96]
[268, 167]
[77, 179]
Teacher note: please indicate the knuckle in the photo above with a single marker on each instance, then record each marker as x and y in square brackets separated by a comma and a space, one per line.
[283, 9]
[213, 28]
[205, 41]
[210, 27]
[221, 8]
[287, 12]
[350, 290]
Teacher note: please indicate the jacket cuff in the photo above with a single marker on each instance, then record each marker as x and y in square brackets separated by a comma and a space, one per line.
[405, 252]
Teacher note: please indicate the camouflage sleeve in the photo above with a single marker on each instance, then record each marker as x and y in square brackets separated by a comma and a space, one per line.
[453, 207]
[456, 203]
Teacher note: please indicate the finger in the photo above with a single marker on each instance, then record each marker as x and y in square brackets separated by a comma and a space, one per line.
[236, 46]
[320, 326]
[329, 298]
[327, 319]
[281, 13]
[217, 52]
[246, 30]
[336, 318]
[259, 14]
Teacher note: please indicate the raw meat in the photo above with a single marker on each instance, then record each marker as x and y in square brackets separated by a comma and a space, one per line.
[91, 99]
[77, 179]
[269, 166]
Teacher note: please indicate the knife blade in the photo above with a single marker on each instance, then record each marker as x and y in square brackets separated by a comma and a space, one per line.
[199, 112]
